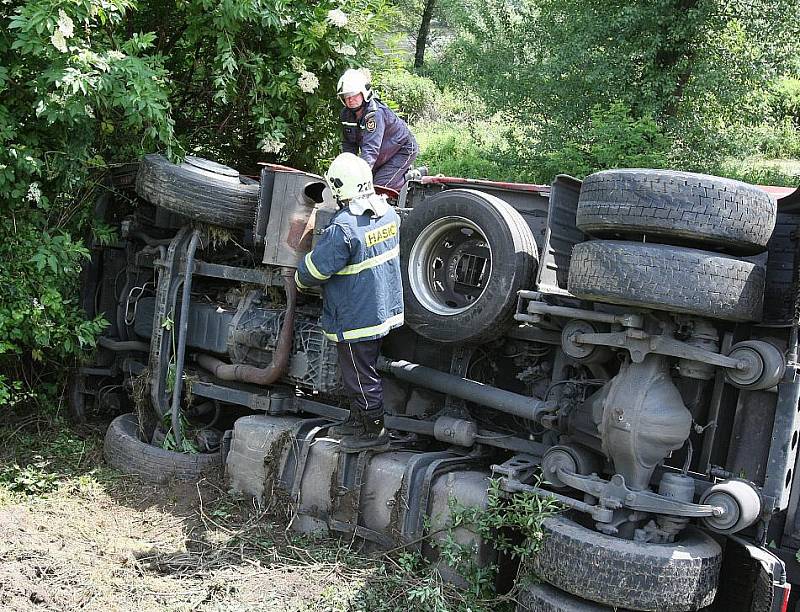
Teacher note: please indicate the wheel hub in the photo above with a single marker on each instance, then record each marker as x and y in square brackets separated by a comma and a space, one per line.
[450, 265]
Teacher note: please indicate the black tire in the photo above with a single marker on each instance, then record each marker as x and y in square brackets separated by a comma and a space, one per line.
[663, 277]
[478, 227]
[614, 572]
[678, 208]
[542, 597]
[125, 452]
[199, 189]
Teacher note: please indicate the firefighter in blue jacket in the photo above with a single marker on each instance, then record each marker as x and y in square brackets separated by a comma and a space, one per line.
[357, 263]
[371, 130]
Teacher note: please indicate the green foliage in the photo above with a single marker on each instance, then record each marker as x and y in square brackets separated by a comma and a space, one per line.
[785, 99]
[614, 139]
[510, 523]
[255, 79]
[88, 84]
[415, 96]
[696, 68]
[39, 460]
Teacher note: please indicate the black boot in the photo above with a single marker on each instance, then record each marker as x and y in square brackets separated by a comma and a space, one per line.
[373, 436]
[353, 425]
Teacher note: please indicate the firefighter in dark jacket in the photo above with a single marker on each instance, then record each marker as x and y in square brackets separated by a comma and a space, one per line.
[371, 130]
[357, 263]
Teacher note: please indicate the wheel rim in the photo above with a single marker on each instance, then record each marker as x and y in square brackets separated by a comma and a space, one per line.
[450, 265]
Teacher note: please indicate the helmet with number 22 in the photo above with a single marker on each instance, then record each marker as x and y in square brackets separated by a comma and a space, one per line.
[349, 177]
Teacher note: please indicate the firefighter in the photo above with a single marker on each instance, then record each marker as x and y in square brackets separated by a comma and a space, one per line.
[357, 263]
[373, 131]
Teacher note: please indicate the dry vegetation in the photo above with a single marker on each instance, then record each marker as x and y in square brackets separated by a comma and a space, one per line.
[75, 535]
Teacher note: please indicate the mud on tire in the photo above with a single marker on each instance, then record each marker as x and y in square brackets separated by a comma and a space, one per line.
[199, 189]
[678, 208]
[663, 277]
[622, 573]
[125, 452]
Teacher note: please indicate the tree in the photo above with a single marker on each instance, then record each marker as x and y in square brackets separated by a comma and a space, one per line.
[690, 64]
[422, 33]
[90, 83]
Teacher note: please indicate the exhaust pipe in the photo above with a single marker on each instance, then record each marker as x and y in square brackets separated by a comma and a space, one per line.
[280, 358]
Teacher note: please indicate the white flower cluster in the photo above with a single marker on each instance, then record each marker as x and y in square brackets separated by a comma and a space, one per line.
[337, 18]
[297, 64]
[308, 81]
[271, 145]
[65, 30]
[34, 193]
[65, 25]
[344, 49]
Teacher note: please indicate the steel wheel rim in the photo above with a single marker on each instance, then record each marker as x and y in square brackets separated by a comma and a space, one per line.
[450, 265]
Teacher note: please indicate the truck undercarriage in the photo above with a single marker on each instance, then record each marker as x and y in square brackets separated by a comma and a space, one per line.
[626, 346]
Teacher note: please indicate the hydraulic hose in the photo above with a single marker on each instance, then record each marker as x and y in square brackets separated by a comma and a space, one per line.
[280, 358]
[181, 349]
[469, 390]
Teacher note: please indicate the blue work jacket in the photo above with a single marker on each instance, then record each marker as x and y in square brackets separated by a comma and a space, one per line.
[377, 136]
[357, 262]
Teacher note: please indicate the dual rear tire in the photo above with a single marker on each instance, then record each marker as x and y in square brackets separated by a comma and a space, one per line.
[656, 213]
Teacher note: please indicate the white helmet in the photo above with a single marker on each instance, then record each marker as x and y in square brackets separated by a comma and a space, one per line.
[354, 82]
[349, 177]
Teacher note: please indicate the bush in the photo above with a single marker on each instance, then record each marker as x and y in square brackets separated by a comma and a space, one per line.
[413, 96]
[91, 83]
[785, 99]
[614, 139]
[481, 150]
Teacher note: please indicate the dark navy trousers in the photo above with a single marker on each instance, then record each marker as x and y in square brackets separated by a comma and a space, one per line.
[361, 380]
[392, 174]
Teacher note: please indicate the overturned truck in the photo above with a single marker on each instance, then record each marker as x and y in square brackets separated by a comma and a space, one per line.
[626, 345]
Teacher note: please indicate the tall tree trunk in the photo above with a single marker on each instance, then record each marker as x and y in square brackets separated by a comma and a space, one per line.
[422, 35]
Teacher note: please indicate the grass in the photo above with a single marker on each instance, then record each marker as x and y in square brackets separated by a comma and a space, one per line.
[74, 533]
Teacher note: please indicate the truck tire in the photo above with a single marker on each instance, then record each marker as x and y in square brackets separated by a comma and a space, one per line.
[542, 597]
[465, 254]
[615, 572]
[199, 189]
[663, 277]
[125, 452]
[677, 208]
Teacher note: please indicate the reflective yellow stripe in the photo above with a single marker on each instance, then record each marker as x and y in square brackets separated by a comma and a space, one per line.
[298, 282]
[363, 332]
[313, 269]
[355, 334]
[371, 262]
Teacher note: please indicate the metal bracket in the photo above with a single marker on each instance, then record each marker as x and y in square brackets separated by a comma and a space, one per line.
[640, 344]
[520, 467]
[614, 494]
[532, 311]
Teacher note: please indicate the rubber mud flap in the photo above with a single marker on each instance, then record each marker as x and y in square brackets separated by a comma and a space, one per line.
[125, 452]
[626, 574]
[677, 208]
[663, 277]
[199, 189]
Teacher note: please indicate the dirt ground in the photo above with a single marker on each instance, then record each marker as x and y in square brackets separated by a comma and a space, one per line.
[126, 546]
[82, 537]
